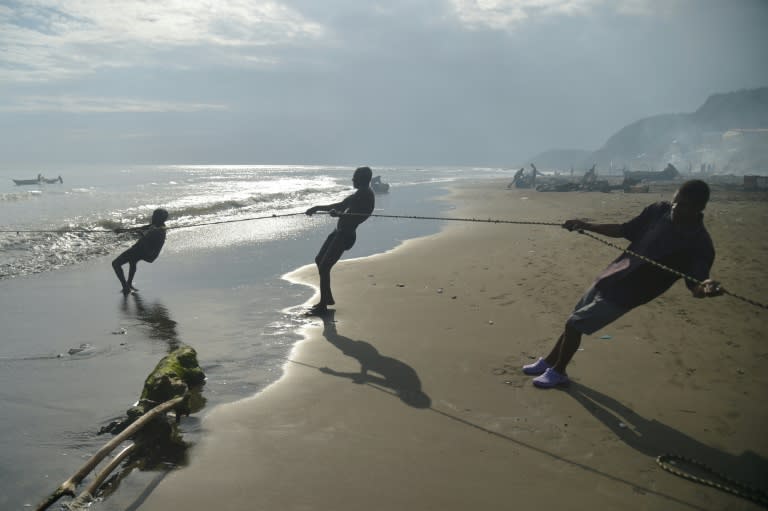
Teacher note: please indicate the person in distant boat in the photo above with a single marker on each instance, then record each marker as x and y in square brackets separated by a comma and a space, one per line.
[352, 211]
[672, 234]
[147, 248]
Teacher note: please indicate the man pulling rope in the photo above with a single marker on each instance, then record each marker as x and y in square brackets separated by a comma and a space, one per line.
[672, 234]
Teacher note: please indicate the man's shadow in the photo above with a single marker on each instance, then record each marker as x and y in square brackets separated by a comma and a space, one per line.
[653, 438]
[390, 372]
[156, 317]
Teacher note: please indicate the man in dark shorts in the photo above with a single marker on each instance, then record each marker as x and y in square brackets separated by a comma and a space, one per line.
[352, 211]
[146, 249]
[672, 234]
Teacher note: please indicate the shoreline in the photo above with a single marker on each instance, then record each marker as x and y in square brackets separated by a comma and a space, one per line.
[228, 304]
[443, 419]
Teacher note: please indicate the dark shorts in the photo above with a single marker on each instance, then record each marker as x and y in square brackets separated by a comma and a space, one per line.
[335, 244]
[594, 312]
[133, 255]
[346, 240]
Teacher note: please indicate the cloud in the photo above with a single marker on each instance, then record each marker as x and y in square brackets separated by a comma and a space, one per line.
[509, 14]
[42, 40]
[72, 104]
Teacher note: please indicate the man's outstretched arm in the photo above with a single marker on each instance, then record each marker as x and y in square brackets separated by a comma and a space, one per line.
[326, 207]
[141, 229]
[610, 230]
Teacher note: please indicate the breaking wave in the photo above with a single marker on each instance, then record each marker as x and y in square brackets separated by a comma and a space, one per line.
[24, 253]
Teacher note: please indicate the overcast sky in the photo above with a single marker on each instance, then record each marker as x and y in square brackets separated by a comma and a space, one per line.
[402, 82]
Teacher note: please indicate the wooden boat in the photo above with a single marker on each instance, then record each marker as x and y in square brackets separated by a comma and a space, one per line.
[40, 180]
[668, 174]
[381, 188]
[378, 186]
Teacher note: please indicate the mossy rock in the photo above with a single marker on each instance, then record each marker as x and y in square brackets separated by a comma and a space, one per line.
[176, 373]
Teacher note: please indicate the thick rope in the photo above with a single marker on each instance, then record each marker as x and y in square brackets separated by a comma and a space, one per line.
[670, 270]
[58, 231]
[237, 220]
[450, 219]
[411, 217]
[111, 231]
[622, 249]
[417, 217]
[668, 463]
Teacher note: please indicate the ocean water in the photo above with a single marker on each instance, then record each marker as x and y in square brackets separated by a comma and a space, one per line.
[74, 352]
[92, 200]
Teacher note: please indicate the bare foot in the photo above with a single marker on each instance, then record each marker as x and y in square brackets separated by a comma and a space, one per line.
[319, 309]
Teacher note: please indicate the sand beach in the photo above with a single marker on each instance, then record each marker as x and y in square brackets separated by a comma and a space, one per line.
[409, 396]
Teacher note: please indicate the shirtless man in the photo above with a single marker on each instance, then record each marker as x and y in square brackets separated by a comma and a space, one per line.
[351, 212]
[147, 248]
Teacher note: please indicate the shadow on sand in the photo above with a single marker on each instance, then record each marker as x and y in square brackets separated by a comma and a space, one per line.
[391, 373]
[400, 379]
[653, 438]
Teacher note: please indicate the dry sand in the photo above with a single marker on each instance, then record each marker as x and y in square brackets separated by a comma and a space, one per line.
[443, 419]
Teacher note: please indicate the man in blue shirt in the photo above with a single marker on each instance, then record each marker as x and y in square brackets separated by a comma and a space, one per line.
[672, 234]
[352, 211]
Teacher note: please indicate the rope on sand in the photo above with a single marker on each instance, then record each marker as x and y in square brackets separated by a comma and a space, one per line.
[669, 463]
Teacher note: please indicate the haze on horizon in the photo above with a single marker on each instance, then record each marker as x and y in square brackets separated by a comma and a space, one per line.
[395, 82]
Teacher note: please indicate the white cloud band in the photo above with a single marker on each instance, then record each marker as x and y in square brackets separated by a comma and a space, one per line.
[44, 40]
[76, 104]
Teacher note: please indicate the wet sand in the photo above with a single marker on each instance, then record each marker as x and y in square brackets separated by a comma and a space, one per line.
[410, 395]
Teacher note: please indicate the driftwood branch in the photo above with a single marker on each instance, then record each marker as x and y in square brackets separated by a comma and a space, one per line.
[68, 486]
[83, 500]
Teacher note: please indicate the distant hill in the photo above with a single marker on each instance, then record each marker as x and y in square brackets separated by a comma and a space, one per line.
[746, 109]
[729, 132]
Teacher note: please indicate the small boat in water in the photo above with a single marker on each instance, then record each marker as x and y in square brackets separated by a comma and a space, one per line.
[378, 186]
[40, 180]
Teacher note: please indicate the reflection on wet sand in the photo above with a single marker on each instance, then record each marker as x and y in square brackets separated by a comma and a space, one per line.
[156, 317]
[394, 374]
